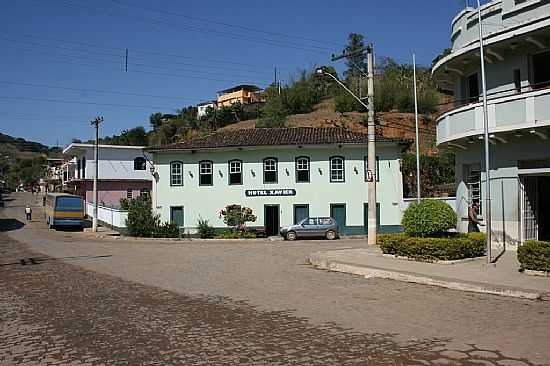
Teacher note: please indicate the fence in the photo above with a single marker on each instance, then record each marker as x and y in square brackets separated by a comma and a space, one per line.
[112, 217]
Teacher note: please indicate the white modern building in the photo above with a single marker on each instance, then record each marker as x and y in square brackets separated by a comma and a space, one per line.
[517, 42]
[123, 172]
[283, 175]
[203, 107]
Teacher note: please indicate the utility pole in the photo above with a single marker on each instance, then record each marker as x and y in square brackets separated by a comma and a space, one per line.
[371, 132]
[96, 123]
[417, 142]
[486, 136]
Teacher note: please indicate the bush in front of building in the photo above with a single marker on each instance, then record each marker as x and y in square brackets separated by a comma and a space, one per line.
[429, 218]
[205, 230]
[167, 230]
[453, 247]
[141, 221]
[534, 255]
[236, 235]
[236, 216]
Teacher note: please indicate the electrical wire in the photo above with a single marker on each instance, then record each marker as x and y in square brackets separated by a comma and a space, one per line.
[80, 102]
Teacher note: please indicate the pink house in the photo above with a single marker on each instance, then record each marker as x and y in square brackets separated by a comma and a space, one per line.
[123, 172]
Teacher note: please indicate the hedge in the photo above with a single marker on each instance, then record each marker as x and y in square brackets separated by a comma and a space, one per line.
[535, 255]
[460, 246]
[429, 218]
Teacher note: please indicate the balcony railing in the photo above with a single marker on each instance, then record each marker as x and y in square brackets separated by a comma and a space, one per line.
[522, 110]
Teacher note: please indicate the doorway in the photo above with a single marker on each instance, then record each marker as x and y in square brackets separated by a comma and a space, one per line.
[535, 208]
[338, 213]
[271, 220]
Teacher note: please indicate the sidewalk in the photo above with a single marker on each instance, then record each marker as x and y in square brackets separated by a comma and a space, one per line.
[501, 278]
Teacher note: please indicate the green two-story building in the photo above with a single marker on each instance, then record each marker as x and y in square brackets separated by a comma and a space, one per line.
[283, 175]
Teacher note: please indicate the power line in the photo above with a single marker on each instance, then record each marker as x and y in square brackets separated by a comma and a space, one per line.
[79, 102]
[237, 26]
[87, 58]
[198, 77]
[143, 51]
[236, 36]
[90, 90]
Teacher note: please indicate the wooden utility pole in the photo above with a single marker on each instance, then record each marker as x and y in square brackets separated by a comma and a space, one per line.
[96, 123]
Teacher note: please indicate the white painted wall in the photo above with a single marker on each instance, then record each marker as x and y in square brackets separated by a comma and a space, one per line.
[207, 201]
[115, 162]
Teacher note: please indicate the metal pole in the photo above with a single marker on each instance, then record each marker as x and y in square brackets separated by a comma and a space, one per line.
[371, 157]
[96, 123]
[417, 141]
[486, 136]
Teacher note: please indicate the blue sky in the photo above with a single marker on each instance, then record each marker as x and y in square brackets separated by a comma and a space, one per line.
[180, 53]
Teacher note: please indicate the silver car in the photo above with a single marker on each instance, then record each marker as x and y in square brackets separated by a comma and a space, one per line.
[312, 227]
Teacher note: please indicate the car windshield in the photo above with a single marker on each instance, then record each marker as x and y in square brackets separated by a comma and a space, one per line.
[68, 203]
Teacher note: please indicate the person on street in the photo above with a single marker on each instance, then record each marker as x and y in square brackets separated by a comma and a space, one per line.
[473, 222]
[28, 212]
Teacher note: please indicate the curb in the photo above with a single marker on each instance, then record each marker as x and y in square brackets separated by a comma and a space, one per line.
[372, 272]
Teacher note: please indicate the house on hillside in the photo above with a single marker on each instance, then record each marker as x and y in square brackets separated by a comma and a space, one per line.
[123, 172]
[245, 94]
[54, 174]
[283, 175]
[518, 86]
[202, 107]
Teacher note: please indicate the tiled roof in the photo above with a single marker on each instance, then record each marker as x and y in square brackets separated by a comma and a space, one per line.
[274, 136]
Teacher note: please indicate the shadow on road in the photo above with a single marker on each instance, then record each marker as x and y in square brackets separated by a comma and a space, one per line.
[10, 225]
[38, 260]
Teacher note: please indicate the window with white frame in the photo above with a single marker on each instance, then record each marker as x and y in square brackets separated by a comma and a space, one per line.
[144, 192]
[270, 170]
[302, 169]
[129, 193]
[176, 173]
[337, 172]
[205, 173]
[235, 172]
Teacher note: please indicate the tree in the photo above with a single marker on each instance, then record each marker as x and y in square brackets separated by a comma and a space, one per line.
[237, 216]
[155, 120]
[355, 62]
[274, 113]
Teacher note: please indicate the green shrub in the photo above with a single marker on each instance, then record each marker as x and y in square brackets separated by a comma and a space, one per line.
[205, 230]
[141, 221]
[428, 218]
[535, 255]
[454, 247]
[236, 235]
[167, 230]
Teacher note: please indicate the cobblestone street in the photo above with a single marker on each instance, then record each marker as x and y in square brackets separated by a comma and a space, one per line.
[55, 310]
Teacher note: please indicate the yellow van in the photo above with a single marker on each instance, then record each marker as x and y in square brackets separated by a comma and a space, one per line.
[63, 209]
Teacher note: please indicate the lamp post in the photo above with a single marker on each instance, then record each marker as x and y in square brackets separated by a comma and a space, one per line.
[485, 135]
[371, 178]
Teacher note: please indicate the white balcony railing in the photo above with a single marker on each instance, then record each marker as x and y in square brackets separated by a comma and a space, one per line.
[520, 111]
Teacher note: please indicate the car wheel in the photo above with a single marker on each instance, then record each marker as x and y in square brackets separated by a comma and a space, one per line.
[291, 235]
[330, 235]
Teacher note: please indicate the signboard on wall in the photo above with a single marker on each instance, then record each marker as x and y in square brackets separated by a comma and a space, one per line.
[270, 192]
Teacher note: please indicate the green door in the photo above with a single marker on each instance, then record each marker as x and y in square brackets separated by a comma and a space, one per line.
[338, 213]
[366, 217]
[300, 212]
[176, 215]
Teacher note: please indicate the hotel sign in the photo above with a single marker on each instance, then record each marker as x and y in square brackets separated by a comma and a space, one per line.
[269, 192]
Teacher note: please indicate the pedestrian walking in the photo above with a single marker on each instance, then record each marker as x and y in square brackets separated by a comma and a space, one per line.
[28, 212]
[473, 222]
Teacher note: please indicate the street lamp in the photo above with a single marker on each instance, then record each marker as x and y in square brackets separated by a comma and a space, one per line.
[372, 222]
[486, 135]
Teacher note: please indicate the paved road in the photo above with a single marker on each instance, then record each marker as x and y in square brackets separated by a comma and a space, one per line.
[140, 303]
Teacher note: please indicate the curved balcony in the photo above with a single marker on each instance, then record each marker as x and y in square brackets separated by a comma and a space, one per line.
[507, 26]
[525, 111]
